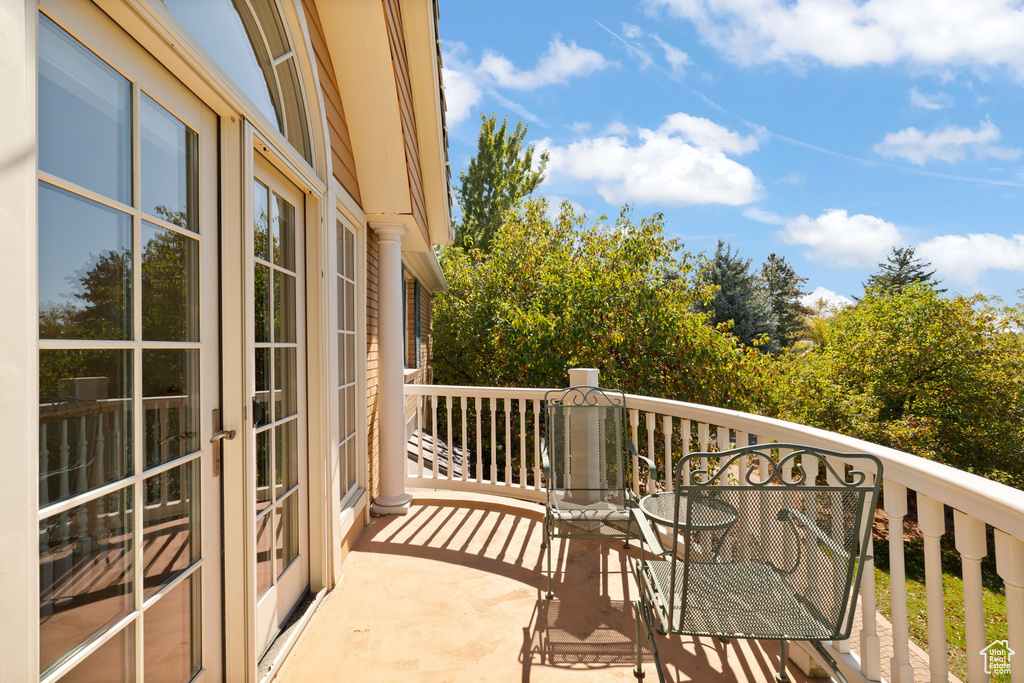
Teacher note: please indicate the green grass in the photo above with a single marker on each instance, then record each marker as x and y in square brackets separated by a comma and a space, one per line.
[993, 596]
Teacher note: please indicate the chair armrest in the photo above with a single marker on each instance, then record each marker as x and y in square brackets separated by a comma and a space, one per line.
[823, 539]
[652, 472]
[545, 462]
[647, 533]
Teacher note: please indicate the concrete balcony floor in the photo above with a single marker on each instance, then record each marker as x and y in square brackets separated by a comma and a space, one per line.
[455, 592]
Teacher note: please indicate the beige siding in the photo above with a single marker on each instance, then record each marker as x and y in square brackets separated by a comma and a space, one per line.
[372, 356]
[343, 163]
[401, 64]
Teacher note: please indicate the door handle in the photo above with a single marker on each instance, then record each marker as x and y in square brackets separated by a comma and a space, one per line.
[219, 435]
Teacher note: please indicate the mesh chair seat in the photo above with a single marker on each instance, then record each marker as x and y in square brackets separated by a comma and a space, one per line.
[599, 521]
[744, 599]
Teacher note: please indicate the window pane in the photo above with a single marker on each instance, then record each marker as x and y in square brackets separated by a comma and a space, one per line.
[85, 571]
[283, 237]
[261, 404]
[85, 268]
[285, 403]
[294, 109]
[219, 29]
[350, 306]
[84, 116]
[170, 404]
[264, 547]
[350, 258]
[112, 662]
[261, 305]
[170, 285]
[286, 457]
[287, 533]
[261, 220]
[339, 234]
[168, 543]
[172, 651]
[169, 160]
[85, 421]
[263, 470]
[284, 307]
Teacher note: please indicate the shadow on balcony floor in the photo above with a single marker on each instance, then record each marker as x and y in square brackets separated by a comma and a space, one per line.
[454, 592]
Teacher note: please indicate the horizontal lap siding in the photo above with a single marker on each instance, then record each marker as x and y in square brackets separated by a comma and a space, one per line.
[401, 64]
[343, 163]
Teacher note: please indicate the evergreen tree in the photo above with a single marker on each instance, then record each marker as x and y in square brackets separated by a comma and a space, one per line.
[899, 270]
[784, 289]
[738, 300]
[498, 176]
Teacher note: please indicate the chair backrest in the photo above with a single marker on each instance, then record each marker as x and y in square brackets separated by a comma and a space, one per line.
[585, 438]
[803, 514]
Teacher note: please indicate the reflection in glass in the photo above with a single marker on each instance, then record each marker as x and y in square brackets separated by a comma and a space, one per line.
[350, 406]
[112, 662]
[85, 421]
[85, 268]
[172, 652]
[261, 403]
[168, 543]
[260, 220]
[339, 234]
[264, 541]
[286, 457]
[347, 466]
[293, 106]
[285, 403]
[170, 404]
[343, 413]
[350, 364]
[170, 285]
[84, 116]
[85, 570]
[283, 237]
[263, 492]
[284, 307]
[287, 533]
[261, 303]
[350, 258]
[350, 306]
[169, 165]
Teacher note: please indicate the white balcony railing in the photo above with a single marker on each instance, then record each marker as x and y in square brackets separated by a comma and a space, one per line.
[474, 426]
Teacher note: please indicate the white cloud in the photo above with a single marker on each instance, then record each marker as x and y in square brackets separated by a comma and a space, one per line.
[555, 206]
[950, 144]
[832, 299]
[461, 94]
[682, 162]
[631, 31]
[962, 259]
[676, 58]
[579, 126]
[858, 240]
[793, 178]
[616, 128]
[560, 63]
[844, 33]
[939, 100]
[763, 216]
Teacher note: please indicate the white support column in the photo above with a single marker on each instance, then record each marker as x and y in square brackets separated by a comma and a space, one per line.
[393, 498]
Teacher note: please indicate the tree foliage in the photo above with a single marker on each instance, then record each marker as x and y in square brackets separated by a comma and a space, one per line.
[559, 294]
[784, 288]
[900, 269]
[499, 176]
[938, 377]
[738, 304]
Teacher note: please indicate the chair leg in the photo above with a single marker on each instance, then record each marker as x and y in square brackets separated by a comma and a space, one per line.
[638, 670]
[547, 537]
[781, 677]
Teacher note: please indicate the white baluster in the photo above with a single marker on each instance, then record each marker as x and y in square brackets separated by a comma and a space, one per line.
[971, 544]
[536, 445]
[932, 521]
[419, 436]
[522, 444]
[1010, 566]
[833, 479]
[507, 409]
[64, 461]
[870, 643]
[449, 446]
[900, 668]
[687, 435]
[99, 448]
[44, 469]
[637, 478]
[634, 424]
[478, 403]
[494, 439]
[435, 467]
[82, 455]
[463, 401]
[703, 442]
[666, 425]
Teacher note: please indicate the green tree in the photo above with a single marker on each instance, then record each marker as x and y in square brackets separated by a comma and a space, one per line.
[899, 270]
[783, 288]
[738, 304]
[565, 293]
[499, 176]
[938, 377]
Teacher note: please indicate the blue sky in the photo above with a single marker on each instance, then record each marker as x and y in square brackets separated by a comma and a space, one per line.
[827, 131]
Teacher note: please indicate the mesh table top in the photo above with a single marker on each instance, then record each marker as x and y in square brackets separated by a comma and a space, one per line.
[708, 513]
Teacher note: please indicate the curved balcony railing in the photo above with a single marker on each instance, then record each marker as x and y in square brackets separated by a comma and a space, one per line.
[487, 440]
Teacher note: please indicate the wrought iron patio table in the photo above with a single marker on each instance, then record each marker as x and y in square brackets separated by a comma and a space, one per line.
[708, 514]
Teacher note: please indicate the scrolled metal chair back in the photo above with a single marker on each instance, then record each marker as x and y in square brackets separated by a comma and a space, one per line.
[585, 434]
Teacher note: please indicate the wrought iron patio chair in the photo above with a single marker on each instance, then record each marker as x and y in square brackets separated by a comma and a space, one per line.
[790, 566]
[588, 459]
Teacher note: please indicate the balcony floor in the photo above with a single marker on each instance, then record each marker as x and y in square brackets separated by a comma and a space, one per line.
[454, 592]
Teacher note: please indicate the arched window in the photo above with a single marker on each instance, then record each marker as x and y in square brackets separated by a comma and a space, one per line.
[248, 39]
